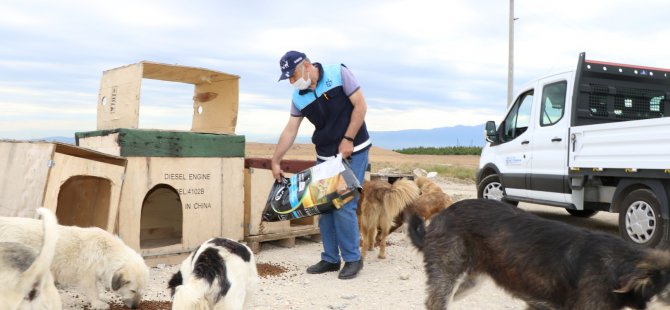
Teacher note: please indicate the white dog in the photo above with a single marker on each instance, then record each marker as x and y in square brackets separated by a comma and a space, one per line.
[85, 256]
[28, 281]
[219, 274]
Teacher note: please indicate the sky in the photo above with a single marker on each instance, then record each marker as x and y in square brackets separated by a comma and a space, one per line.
[421, 64]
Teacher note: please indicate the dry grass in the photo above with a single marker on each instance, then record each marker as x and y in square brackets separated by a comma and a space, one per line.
[461, 167]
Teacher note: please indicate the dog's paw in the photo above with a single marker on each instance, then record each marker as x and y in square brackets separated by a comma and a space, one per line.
[381, 256]
[99, 305]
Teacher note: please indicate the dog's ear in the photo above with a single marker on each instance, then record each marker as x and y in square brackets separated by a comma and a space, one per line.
[638, 280]
[175, 281]
[118, 281]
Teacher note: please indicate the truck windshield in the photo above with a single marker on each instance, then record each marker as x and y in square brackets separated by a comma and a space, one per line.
[518, 118]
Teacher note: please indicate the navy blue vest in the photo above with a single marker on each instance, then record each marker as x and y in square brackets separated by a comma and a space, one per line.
[329, 109]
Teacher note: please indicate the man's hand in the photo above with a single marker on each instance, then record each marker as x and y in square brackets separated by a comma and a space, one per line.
[346, 148]
[285, 141]
[277, 173]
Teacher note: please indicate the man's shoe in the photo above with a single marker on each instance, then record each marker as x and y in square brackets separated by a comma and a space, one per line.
[323, 266]
[350, 270]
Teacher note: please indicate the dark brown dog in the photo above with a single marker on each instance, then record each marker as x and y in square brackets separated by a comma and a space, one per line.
[548, 264]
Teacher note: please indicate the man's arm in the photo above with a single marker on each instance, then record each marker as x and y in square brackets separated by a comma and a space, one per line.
[285, 141]
[357, 118]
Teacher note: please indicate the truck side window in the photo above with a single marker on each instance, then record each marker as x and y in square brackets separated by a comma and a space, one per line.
[518, 119]
[553, 103]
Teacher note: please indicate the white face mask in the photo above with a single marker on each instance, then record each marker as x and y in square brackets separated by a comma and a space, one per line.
[301, 83]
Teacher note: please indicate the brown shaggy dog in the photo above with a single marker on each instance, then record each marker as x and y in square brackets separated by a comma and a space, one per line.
[426, 185]
[548, 264]
[381, 204]
[432, 199]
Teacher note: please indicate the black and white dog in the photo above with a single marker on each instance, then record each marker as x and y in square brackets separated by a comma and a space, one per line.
[219, 274]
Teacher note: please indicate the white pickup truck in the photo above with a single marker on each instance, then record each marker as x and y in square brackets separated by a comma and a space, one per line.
[593, 139]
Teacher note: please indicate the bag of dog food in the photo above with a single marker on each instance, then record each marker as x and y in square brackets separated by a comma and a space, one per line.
[322, 188]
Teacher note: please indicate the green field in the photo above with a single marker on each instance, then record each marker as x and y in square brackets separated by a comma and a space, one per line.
[459, 172]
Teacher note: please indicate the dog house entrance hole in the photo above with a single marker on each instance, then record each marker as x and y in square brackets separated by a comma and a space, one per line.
[162, 218]
[84, 201]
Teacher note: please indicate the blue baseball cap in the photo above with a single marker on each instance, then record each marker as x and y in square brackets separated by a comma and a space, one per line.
[289, 62]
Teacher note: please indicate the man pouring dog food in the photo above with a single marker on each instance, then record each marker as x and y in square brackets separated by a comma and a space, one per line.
[329, 96]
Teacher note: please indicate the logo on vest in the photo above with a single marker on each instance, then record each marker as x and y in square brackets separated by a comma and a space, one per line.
[329, 82]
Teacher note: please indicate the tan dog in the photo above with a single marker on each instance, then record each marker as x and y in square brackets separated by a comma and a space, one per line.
[84, 257]
[426, 185]
[432, 199]
[219, 274]
[29, 283]
[382, 202]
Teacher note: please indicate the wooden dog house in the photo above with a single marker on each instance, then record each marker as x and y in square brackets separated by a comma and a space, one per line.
[181, 188]
[81, 186]
[215, 99]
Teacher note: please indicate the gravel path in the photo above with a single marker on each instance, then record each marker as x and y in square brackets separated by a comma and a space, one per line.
[397, 282]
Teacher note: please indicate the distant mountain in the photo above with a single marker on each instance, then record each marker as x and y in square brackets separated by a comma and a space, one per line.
[69, 140]
[436, 137]
[392, 140]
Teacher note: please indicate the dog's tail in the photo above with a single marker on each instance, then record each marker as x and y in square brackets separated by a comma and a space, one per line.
[190, 296]
[416, 228]
[403, 193]
[42, 262]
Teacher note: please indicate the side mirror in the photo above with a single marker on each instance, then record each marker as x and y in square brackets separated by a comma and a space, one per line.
[490, 132]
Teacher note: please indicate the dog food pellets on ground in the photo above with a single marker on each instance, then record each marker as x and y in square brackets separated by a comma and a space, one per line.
[145, 305]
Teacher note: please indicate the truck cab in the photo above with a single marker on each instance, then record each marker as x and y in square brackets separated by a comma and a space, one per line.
[573, 140]
[532, 145]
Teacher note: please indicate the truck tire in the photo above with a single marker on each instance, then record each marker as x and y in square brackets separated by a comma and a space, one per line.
[491, 188]
[582, 213]
[640, 218]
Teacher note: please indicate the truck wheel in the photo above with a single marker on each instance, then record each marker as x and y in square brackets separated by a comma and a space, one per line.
[491, 188]
[640, 219]
[582, 213]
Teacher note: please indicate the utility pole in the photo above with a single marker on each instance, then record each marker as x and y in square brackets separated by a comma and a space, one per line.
[510, 61]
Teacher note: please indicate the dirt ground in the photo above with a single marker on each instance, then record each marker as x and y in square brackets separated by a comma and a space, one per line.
[397, 282]
[377, 155]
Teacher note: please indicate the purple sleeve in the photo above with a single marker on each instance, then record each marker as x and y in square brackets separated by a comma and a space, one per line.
[294, 111]
[349, 82]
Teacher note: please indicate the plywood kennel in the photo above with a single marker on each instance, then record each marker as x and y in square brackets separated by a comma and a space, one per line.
[181, 188]
[215, 98]
[81, 186]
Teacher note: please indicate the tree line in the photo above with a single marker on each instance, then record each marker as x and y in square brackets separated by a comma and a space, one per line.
[447, 150]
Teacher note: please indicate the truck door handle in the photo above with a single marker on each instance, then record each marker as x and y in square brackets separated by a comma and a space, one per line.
[525, 142]
[556, 140]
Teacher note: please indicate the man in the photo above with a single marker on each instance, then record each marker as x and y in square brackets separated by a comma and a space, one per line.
[329, 96]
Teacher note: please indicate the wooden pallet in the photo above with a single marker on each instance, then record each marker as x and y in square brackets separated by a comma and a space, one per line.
[284, 239]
